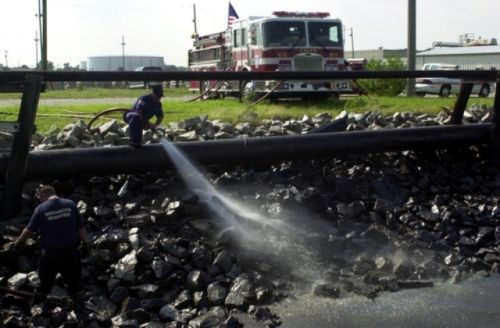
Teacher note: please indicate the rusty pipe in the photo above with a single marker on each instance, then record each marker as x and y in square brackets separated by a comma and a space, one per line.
[123, 159]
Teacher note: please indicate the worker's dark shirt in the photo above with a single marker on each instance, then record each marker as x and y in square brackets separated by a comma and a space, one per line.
[148, 106]
[58, 221]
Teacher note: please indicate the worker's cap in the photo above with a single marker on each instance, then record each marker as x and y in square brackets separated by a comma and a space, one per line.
[157, 89]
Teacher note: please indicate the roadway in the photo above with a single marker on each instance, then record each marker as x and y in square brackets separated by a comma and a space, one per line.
[472, 303]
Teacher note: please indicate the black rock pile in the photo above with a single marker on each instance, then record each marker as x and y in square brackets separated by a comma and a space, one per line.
[162, 258]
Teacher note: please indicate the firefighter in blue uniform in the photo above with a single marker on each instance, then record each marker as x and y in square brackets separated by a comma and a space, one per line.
[61, 230]
[144, 109]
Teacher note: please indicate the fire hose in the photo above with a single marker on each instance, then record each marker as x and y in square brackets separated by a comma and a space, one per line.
[209, 92]
[104, 112]
[267, 94]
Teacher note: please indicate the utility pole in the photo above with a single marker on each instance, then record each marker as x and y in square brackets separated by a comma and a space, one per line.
[6, 58]
[194, 22]
[352, 43]
[412, 37]
[36, 49]
[123, 52]
[43, 34]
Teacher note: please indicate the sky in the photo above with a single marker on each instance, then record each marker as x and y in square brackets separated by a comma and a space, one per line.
[78, 29]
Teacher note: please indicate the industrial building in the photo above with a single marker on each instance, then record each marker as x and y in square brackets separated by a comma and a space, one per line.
[117, 63]
[469, 57]
[376, 54]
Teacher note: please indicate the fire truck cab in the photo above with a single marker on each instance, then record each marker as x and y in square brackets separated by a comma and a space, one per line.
[285, 41]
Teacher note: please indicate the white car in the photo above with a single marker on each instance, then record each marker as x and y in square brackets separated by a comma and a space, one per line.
[444, 87]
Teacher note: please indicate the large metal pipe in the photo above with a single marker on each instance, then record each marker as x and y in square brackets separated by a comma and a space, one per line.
[123, 159]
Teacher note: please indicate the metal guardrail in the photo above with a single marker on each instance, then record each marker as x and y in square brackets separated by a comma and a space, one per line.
[67, 76]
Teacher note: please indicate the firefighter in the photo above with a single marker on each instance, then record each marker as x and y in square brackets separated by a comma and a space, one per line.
[144, 109]
[61, 230]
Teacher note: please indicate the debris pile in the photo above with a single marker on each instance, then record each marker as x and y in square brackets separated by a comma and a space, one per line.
[160, 257]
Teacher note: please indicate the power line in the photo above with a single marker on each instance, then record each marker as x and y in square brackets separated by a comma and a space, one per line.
[118, 7]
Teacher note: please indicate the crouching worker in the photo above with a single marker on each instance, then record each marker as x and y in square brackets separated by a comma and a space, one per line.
[144, 109]
[61, 230]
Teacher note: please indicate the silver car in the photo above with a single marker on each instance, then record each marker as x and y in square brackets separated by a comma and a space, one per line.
[444, 87]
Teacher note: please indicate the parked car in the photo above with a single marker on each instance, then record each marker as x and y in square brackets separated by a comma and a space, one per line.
[445, 87]
[145, 84]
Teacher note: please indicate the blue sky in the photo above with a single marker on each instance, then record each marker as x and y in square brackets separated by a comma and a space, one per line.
[82, 28]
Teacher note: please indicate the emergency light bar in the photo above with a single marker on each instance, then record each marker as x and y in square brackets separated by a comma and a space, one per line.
[300, 14]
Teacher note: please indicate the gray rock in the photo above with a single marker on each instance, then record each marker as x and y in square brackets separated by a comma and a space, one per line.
[197, 280]
[241, 293]
[168, 312]
[223, 261]
[216, 293]
[125, 268]
[161, 268]
[119, 295]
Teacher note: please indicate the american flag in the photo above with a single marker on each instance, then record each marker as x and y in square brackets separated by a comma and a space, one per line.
[232, 15]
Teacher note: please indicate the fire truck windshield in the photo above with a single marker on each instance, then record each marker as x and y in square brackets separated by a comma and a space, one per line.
[292, 34]
[284, 34]
[325, 34]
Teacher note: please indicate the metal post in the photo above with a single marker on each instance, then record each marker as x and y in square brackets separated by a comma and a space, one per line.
[495, 146]
[352, 43]
[16, 169]
[463, 98]
[36, 49]
[123, 52]
[44, 36]
[412, 37]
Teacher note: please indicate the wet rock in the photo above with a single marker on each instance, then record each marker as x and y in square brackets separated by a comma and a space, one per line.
[161, 268]
[216, 293]
[201, 256]
[327, 290]
[241, 293]
[119, 295]
[102, 308]
[168, 312]
[183, 300]
[125, 268]
[17, 280]
[415, 284]
[144, 255]
[223, 261]
[197, 280]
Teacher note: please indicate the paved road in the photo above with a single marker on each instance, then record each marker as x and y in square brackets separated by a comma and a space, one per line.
[472, 303]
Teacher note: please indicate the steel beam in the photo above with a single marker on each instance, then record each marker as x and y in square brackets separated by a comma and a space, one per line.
[123, 159]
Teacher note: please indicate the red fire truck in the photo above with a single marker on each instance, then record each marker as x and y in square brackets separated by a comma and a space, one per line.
[285, 41]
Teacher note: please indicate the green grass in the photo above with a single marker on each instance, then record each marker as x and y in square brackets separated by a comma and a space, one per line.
[232, 110]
